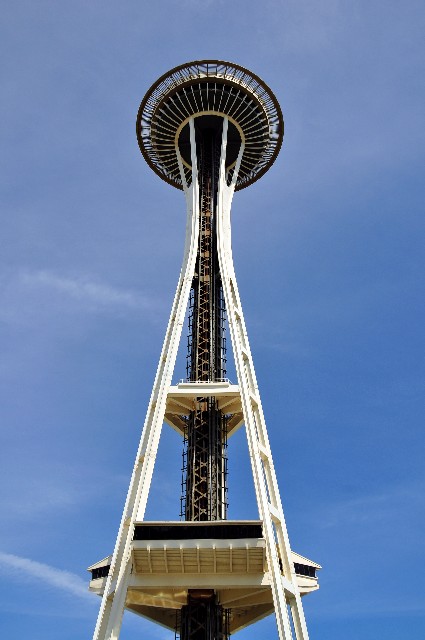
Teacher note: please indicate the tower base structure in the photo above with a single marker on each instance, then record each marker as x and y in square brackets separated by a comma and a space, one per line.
[207, 128]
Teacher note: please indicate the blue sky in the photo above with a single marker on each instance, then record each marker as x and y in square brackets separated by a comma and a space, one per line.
[329, 257]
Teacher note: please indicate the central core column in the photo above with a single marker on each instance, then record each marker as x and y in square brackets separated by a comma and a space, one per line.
[205, 482]
[203, 618]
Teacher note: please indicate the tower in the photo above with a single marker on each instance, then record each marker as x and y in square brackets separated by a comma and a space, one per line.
[208, 128]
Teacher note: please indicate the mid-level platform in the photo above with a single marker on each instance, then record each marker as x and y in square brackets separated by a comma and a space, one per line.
[182, 399]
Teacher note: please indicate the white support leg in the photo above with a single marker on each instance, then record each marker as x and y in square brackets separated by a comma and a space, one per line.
[266, 487]
[113, 602]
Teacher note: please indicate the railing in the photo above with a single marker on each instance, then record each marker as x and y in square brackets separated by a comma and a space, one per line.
[189, 381]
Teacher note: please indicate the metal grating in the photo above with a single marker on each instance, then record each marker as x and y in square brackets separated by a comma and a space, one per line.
[203, 618]
[205, 440]
[212, 87]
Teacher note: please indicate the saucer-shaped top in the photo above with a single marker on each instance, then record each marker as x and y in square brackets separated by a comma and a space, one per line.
[206, 90]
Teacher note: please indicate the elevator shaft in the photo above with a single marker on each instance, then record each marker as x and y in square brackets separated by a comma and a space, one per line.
[206, 463]
[203, 618]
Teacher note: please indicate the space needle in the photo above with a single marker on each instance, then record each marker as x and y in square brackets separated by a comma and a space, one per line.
[208, 128]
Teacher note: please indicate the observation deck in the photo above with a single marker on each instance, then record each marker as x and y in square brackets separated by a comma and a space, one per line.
[209, 90]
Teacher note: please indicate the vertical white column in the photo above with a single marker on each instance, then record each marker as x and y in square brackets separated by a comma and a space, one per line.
[265, 481]
[113, 601]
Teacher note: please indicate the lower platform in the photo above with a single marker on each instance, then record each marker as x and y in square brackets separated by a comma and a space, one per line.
[171, 558]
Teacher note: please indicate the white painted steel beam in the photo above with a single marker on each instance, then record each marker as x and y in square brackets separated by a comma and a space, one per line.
[265, 481]
[113, 602]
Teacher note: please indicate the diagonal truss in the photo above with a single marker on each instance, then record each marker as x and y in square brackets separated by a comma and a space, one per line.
[286, 596]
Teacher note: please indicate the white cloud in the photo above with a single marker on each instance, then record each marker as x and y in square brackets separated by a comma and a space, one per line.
[24, 568]
[45, 295]
[85, 290]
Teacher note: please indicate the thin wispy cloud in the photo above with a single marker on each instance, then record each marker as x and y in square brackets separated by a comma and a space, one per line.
[26, 569]
[25, 295]
[85, 290]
